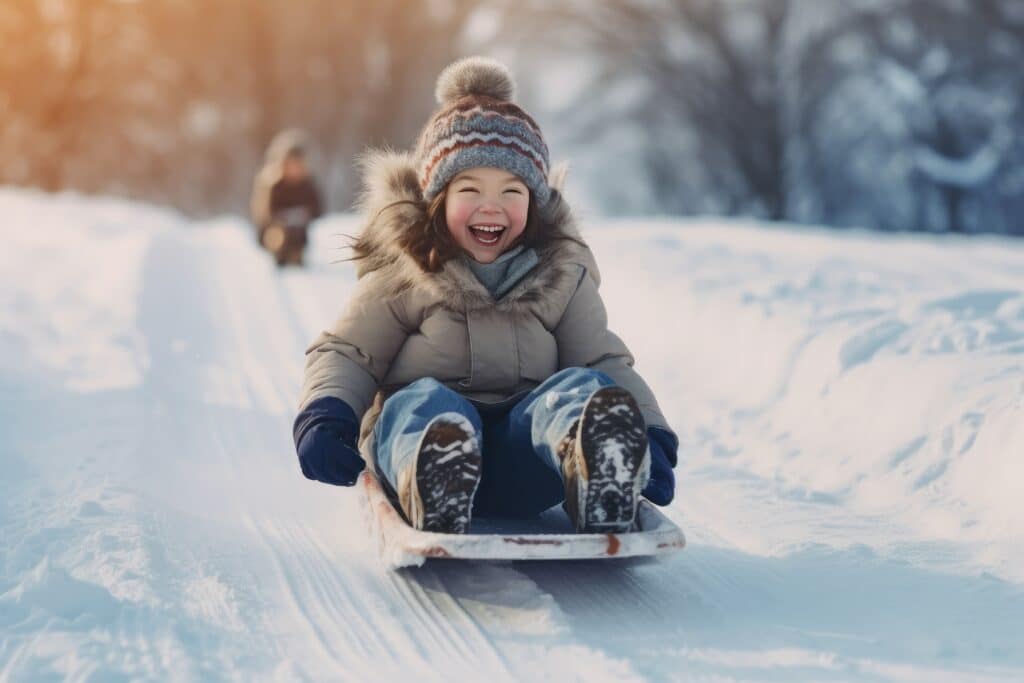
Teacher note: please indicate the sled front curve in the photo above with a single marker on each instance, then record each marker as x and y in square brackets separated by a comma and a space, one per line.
[543, 539]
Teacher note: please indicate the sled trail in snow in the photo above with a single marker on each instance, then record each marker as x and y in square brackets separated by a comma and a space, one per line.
[154, 522]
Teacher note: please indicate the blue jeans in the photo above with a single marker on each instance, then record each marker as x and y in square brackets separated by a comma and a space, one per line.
[521, 475]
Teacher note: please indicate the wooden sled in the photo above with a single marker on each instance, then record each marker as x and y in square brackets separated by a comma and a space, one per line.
[548, 537]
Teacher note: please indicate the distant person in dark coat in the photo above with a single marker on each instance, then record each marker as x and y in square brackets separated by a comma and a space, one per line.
[285, 198]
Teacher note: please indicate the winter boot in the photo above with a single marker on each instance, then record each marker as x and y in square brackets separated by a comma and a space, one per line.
[436, 491]
[605, 463]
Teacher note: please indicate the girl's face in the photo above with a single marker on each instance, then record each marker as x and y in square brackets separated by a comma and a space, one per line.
[485, 209]
[294, 168]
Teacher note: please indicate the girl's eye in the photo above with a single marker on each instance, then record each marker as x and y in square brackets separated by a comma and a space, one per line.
[515, 190]
[468, 189]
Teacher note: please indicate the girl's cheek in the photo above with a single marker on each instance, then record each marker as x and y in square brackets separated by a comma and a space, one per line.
[457, 213]
[518, 213]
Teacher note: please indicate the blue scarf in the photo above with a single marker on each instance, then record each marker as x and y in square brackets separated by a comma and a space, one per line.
[502, 274]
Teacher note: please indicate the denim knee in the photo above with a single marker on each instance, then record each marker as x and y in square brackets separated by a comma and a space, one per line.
[578, 374]
[427, 384]
[428, 391]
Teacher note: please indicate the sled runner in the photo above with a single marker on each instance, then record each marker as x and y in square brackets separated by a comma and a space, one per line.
[549, 537]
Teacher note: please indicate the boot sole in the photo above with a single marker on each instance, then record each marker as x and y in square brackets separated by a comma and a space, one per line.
[612, 449]
[448, 468]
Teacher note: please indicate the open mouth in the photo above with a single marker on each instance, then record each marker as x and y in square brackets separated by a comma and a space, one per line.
[486, 234]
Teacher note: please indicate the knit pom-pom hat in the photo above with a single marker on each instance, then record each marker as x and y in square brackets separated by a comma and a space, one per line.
[478, 124]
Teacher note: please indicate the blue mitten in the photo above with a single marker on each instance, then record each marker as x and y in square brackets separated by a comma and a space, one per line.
[326, 433]
[662, 485]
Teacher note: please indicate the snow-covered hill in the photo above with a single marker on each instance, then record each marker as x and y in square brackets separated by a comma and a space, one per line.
[851, 408]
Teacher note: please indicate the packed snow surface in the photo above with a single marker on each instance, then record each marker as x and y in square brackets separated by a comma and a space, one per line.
[850, 407]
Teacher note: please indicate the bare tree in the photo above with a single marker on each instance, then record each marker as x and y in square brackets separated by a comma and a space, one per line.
[175, 100]
[703, 66]
[904, 120]
[47, 83]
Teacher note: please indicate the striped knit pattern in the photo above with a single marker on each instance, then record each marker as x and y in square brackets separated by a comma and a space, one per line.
[478, 130]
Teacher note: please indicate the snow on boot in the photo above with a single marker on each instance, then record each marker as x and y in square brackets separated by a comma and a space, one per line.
[605, 463]
[436, 491]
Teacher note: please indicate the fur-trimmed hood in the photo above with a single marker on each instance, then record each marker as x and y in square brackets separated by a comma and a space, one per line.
[393, 202]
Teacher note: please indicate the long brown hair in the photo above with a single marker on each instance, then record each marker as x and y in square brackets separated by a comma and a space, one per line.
[429, 242]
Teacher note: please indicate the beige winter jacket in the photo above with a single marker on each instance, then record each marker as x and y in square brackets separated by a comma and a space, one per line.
[402, 324]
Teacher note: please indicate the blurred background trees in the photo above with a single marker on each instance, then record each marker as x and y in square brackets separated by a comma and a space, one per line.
[175, 100]
[907, 115]
[888, 114]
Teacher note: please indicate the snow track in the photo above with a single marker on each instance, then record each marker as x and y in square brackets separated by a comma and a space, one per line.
[154, 523]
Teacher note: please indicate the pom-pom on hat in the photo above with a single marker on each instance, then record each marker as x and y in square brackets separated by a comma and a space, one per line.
[479, 125]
